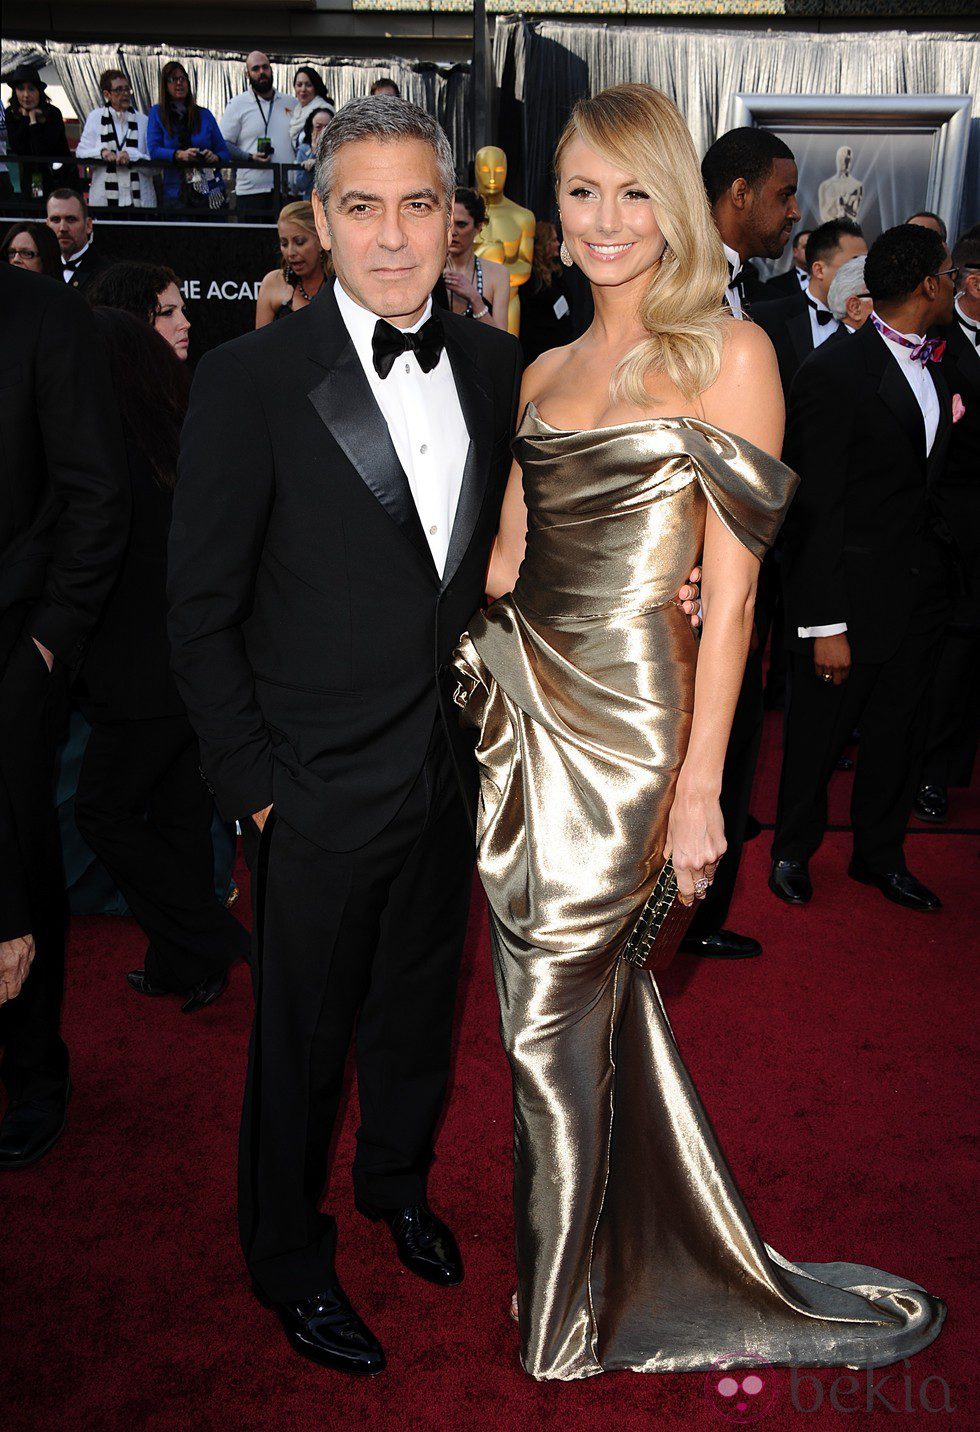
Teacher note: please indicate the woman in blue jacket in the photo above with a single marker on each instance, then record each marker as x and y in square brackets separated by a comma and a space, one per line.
[180, 129]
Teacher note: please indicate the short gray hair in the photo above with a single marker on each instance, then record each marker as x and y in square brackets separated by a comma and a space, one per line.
[383, 117]
[846, 282]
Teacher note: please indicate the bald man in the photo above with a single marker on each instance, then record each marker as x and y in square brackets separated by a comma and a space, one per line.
[256, 127]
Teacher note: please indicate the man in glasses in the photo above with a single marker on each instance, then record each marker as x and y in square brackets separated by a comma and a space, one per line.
[116, 133]
[866, 569]
[951, 745]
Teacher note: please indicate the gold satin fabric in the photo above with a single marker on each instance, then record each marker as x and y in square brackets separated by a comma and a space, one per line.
[634, 1248]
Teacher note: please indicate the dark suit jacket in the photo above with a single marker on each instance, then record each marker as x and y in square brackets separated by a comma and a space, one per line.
[91, 263]
[784, 285]
[308, 622]
[787, 322]
[126, 673]
[960, 491]
[867, 494]
[64, 502]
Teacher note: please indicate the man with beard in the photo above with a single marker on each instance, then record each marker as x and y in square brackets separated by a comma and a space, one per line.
[256, 126]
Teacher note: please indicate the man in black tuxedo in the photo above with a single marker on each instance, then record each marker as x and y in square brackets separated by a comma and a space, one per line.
[865, 564]
[952, 740]
[71, 223]
[803, 322]
[789, 284]
[750, 179]
[340, 486]
[64, 515]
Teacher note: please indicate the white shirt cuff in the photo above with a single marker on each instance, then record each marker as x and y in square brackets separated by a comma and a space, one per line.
[834, 629]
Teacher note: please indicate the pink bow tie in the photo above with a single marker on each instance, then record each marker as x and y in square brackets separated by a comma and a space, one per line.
[927, 350]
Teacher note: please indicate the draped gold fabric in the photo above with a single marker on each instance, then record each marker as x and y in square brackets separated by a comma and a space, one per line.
[634, 1248]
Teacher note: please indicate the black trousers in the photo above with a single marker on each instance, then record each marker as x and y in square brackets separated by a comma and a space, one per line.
[33, 713]
[144, 809]
[737, 779]
[889, 702]
[372, 936]
[954, 713]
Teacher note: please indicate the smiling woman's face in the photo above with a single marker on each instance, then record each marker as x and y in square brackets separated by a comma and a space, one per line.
[607, 218]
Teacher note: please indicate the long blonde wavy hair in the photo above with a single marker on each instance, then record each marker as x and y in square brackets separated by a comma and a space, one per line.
[641, 131]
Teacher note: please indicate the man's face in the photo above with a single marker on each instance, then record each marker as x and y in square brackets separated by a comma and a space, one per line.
[69, 225]
[259, 72]
[799, 248]
[823, 270]
[386, 225]
[118, 95]
[771, 211]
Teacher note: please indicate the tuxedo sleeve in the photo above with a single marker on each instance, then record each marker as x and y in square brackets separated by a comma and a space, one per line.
[221, 511]
[818, 439]
[86, 464]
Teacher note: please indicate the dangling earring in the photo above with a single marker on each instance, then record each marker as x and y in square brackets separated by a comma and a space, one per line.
[564, 255]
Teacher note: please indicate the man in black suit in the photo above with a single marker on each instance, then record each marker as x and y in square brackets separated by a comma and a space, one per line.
[803, 322]
[789, 284]
[340, 486]
[71, 223]
[63, 519]
[952, 740]
[865, 564]
[750, 179]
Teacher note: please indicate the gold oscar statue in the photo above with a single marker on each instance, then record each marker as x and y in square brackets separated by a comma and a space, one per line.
[508, 235]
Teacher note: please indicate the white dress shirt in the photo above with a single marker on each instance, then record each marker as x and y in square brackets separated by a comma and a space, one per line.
[819, 331]
[425, 421]
[246, 119]
[732, 296]
[924, 390]
[968, 327]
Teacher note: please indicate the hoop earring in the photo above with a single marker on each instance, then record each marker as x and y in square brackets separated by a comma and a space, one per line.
[564, 255]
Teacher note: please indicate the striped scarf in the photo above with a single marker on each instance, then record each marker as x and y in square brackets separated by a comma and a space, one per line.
[128, 194]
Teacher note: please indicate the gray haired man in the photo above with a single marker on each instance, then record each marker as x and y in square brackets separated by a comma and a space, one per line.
[848, 298]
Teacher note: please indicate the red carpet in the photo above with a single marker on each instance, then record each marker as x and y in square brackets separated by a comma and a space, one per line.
[837, 1071]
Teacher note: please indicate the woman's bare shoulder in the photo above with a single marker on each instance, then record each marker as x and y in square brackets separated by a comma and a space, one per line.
[746, 398]
[540, 375]
[273, 283]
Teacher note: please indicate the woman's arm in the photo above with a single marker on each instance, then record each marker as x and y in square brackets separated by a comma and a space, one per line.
[269, 299]
[160, 144]
[216, 141]
[745, 400]
[498, 297]
[89, 145]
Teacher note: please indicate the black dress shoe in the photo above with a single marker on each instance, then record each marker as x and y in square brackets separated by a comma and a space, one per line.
[199, 997]
[931, 804]
[425, 1245]
[326, 1329]
[30, 1128]
[898, 886]
[725, 945]
[790, 880]
[205, 993]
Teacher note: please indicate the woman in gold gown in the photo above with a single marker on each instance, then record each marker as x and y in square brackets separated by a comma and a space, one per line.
[602, 725]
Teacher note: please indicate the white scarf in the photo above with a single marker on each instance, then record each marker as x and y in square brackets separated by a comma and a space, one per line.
[301, 113]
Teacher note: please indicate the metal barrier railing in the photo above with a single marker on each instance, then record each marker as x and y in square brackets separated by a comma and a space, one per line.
[41, 174]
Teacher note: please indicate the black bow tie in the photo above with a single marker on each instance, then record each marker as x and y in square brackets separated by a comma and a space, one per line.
[824, 315]
[737, 277]
[389, 342]
[70, 263]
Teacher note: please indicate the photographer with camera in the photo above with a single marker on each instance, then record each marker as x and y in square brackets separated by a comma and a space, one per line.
[256, 126]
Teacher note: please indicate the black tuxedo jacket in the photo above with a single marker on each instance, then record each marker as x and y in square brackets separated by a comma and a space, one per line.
[784, 285]
[309, 626]
[90, 264]
[64, 500]
[867, 496]
[787, 322]
[960, 492]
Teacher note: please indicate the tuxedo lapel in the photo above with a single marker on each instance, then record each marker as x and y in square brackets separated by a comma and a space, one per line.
[477, 406]
[800, 333]
[894, 390]
[345, 404]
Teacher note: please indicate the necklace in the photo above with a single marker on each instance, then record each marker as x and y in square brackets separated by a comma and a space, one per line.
[309, 297]
[468, 307]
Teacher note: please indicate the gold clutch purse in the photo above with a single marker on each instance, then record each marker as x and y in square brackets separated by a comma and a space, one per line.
[661, 926]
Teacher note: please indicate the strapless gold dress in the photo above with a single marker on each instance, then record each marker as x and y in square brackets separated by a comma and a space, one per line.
[634, 1247]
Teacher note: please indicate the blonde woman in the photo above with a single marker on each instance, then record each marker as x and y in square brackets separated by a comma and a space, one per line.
[304, 269]
[647, 444]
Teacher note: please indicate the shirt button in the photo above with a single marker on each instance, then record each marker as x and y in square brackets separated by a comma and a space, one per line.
[424, 449]
[408, 368]
[433, 530]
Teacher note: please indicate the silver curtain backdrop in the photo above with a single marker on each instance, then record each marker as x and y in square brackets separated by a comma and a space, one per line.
[543, 67]
[217, 75]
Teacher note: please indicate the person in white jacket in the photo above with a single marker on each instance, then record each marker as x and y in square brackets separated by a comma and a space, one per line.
[116, 133]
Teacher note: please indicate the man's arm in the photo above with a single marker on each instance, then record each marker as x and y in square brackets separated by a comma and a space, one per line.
[221, 509]
[86, 465]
